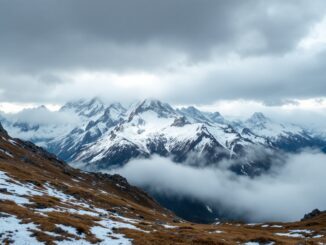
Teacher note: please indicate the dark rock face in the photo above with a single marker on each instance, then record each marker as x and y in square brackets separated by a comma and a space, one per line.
[312, 214]
[246, 131]
[2, 130]
[180, 122]
[157, 146]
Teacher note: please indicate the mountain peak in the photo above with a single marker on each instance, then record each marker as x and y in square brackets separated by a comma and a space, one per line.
[114, 112]
[43, 107]
[85, 107]
[258, 116]
[153, 103]
[162, 109]
[257, 120]
[191, 109]
[83, 102]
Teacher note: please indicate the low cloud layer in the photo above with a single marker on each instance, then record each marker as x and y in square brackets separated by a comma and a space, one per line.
[286, 194]
[42, 116]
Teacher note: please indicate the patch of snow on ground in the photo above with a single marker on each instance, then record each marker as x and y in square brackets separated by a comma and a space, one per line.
[318, 236]
[105, 234]
[15, 190]
[253, 224]
[12, 229]
[169, 226]
[7, 153]
[277, 226]
[257, 243]
[69, 229]
[301, 231]
[296, 235]
[216, 232]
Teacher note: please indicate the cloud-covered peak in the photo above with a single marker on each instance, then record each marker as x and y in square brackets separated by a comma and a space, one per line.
[85, 107]
[258, 117]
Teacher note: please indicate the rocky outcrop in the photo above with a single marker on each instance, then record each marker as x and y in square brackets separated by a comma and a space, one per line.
[312, 214]
[3, 131]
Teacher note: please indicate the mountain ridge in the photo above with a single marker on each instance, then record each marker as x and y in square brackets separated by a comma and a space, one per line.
[154, 127]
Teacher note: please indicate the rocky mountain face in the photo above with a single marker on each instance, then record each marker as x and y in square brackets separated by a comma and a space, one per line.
[108, 136]
[45, 201]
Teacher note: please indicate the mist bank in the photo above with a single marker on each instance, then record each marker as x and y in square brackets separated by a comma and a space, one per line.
[285, 193]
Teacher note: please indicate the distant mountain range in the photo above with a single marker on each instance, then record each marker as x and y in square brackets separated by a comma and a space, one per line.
[95, 137]
[103, 136]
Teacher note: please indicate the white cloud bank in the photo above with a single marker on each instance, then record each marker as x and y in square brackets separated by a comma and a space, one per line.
[284, 195]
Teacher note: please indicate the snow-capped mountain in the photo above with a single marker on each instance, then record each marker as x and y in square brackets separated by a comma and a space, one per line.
[287, 137]
[99, 137]
[152, 127]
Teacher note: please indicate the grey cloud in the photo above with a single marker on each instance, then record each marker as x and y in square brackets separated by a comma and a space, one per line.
[266, 198]
[42, 116]
[44, 44]
[82, 34]
[50, 79]
[273, 80]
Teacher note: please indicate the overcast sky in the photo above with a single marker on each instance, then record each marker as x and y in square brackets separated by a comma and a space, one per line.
[271, 54]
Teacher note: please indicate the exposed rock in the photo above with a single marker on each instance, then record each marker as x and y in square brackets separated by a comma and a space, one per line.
[180, 122]
[312, 214]
[3, 131]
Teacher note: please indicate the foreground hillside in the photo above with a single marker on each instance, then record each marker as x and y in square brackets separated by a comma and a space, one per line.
[43, 200]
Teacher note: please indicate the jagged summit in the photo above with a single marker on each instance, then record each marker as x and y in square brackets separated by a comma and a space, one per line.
[85, 107]
[42, 107]
[113, 113]
[81, 103]
[162, 109]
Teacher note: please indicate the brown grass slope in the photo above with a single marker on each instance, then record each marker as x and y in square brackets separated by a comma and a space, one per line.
[29, 165]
